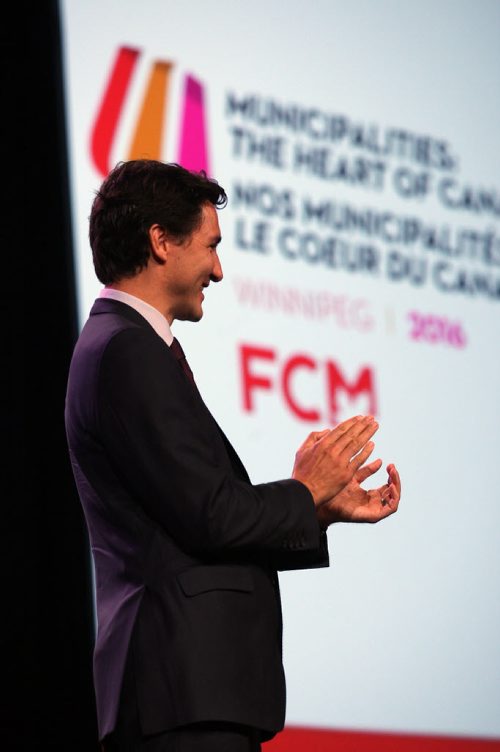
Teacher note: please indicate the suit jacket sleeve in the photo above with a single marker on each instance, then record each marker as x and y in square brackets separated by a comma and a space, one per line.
[164, 445]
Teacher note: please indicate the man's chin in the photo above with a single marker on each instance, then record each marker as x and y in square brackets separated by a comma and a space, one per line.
[193, 316]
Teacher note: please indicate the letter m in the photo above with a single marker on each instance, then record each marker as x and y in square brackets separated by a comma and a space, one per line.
[362, 384]
[244, 106]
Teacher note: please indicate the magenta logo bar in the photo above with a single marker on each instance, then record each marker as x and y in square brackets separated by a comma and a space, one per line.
[193, 141]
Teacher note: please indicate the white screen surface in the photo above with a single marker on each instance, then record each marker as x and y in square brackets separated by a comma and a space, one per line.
[358, 144]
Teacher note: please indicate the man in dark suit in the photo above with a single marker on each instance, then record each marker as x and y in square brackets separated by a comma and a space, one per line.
[186, 549]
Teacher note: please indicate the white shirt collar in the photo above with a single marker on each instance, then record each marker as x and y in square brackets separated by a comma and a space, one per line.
[151, 314]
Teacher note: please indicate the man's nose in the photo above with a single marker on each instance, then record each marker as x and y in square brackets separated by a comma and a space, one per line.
[217, 274]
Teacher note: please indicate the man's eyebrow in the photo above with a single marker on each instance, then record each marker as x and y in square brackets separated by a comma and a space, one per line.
[215, 240]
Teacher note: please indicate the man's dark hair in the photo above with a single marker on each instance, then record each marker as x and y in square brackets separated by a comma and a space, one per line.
[136, 195]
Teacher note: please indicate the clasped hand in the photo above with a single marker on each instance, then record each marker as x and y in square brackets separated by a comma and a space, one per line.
[331, 463]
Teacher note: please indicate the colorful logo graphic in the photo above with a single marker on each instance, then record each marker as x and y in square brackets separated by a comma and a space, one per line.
[147, 137]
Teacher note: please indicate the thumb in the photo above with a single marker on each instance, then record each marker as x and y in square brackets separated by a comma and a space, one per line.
[313, 438]
[364, 472]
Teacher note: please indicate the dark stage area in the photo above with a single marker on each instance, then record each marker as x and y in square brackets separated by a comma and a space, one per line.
[48, 622]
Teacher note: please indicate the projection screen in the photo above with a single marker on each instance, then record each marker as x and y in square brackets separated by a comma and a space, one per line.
[358, 145]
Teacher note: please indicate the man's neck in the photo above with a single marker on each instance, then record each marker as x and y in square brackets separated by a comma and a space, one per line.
[144, 290]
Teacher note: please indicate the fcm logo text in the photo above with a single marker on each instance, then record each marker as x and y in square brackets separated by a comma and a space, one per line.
[262, 369]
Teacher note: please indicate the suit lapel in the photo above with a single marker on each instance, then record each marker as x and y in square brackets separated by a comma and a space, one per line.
[108, 305]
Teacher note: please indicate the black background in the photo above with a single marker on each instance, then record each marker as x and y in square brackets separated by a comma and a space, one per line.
[47, 619]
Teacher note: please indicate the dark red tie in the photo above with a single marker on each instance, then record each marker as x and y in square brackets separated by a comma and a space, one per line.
[181, 358]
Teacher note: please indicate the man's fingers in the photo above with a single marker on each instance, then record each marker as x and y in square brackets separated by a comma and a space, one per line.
[394, 477]
[368, 431]
[364, 472]
[313, 437]
[351, 444]
[390, 497]
[346, 432]
[363, 455]
[343, 429]
[317, 435]
[347, 424]
[394, 493]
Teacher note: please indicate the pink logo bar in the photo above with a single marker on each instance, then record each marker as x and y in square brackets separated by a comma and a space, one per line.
[193, 140]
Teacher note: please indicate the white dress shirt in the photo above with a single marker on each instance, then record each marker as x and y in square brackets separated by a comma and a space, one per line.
[151, 314]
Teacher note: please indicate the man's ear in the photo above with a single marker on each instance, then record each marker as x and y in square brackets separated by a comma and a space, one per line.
[159, 243]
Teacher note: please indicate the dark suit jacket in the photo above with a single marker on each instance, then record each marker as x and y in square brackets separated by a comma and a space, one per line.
[185, 548]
